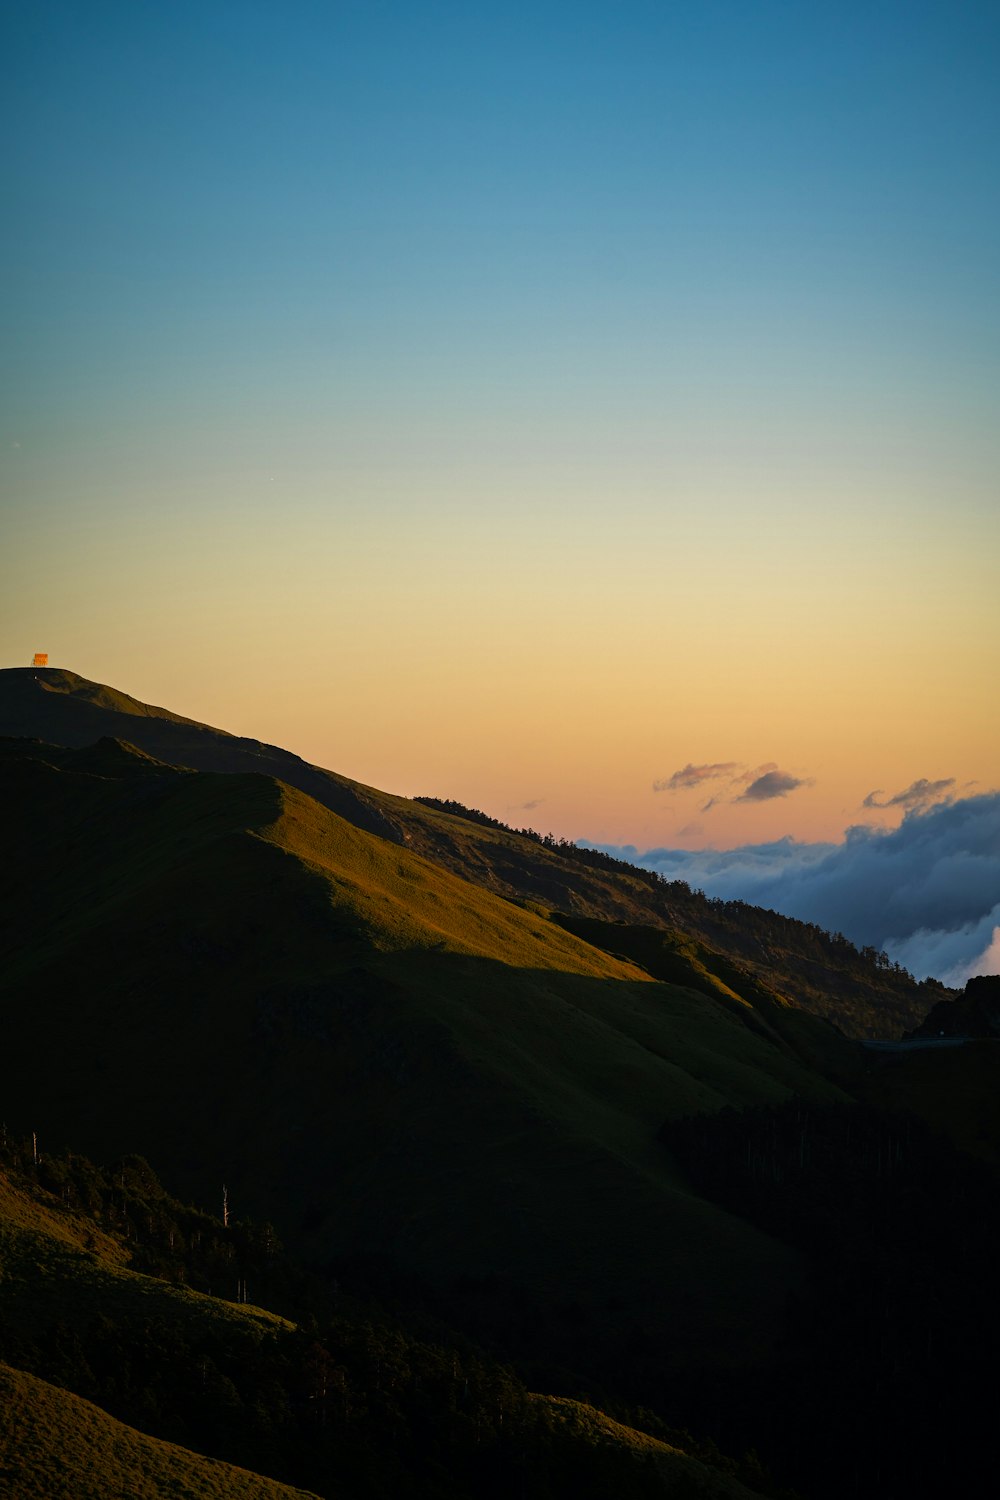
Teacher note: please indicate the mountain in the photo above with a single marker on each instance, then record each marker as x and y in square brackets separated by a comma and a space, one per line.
[974, 1013]
[817, 971]
[115, 1382]
[226, 976]
[612, 1161]
[56, 1446]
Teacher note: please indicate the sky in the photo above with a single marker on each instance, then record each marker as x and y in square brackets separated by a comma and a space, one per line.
[525, 404]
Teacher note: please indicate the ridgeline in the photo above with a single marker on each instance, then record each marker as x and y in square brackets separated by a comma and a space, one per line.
[520, 1115]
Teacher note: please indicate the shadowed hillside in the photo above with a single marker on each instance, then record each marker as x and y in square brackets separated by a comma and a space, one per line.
[377, 1056]
[448, 1101]
[900, 1229]
[110, 1378]
[818, 971]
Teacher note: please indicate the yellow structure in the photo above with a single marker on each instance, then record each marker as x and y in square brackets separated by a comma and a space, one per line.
[41, 659]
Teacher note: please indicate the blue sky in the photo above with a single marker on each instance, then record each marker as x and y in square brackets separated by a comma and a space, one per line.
[522, 401]
[441, 200]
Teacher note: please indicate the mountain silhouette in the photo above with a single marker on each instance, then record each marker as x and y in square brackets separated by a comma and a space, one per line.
[492, 1084]
[815, 970]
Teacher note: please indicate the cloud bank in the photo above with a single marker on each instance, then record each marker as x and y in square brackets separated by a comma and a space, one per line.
[928, 892]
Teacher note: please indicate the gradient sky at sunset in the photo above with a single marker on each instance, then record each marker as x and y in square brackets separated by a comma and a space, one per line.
[519, 403]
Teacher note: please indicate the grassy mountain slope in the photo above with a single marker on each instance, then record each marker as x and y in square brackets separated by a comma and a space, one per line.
[240, 1378]
[58, 706]
[451, 1100]
[681, 1474]
[60, 1267]
[65, 1278]
[57, 1446]
[372, 1053]
[820, 974]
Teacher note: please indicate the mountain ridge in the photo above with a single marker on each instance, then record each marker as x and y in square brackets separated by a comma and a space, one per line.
[573, 1138]
[374, 1000]
[817, 971]
[81, 1324]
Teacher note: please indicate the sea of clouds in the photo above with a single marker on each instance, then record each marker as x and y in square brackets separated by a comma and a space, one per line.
[927, 892]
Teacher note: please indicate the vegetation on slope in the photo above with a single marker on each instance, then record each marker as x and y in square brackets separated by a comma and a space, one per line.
[451, 1099]
[374, 1054]
[822, 972]
[56, 1446]
[899, 1324]
[348, 1403]
[974, 1013]
[819, 971]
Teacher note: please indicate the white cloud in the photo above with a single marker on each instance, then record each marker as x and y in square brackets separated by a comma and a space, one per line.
[954, 955]
[928, 892]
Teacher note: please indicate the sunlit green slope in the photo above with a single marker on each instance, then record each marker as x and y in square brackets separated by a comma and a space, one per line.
[57, 1446]
[379, 1057]
[827, 977]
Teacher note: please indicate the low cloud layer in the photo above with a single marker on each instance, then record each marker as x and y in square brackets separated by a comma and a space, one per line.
[928, 892]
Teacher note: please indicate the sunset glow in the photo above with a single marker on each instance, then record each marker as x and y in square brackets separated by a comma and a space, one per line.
[515, 410]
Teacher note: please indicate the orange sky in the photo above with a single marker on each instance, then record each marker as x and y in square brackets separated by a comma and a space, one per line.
[521, 412]
[570, 660]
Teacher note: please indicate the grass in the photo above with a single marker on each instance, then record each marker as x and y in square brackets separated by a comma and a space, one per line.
[57, 1446]
[385, 1059]
[374, 1054]
[62, 1267]
[814, 972]
[681, 1474]
[23, 1214]
[65, 1280]
[61, 1270]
